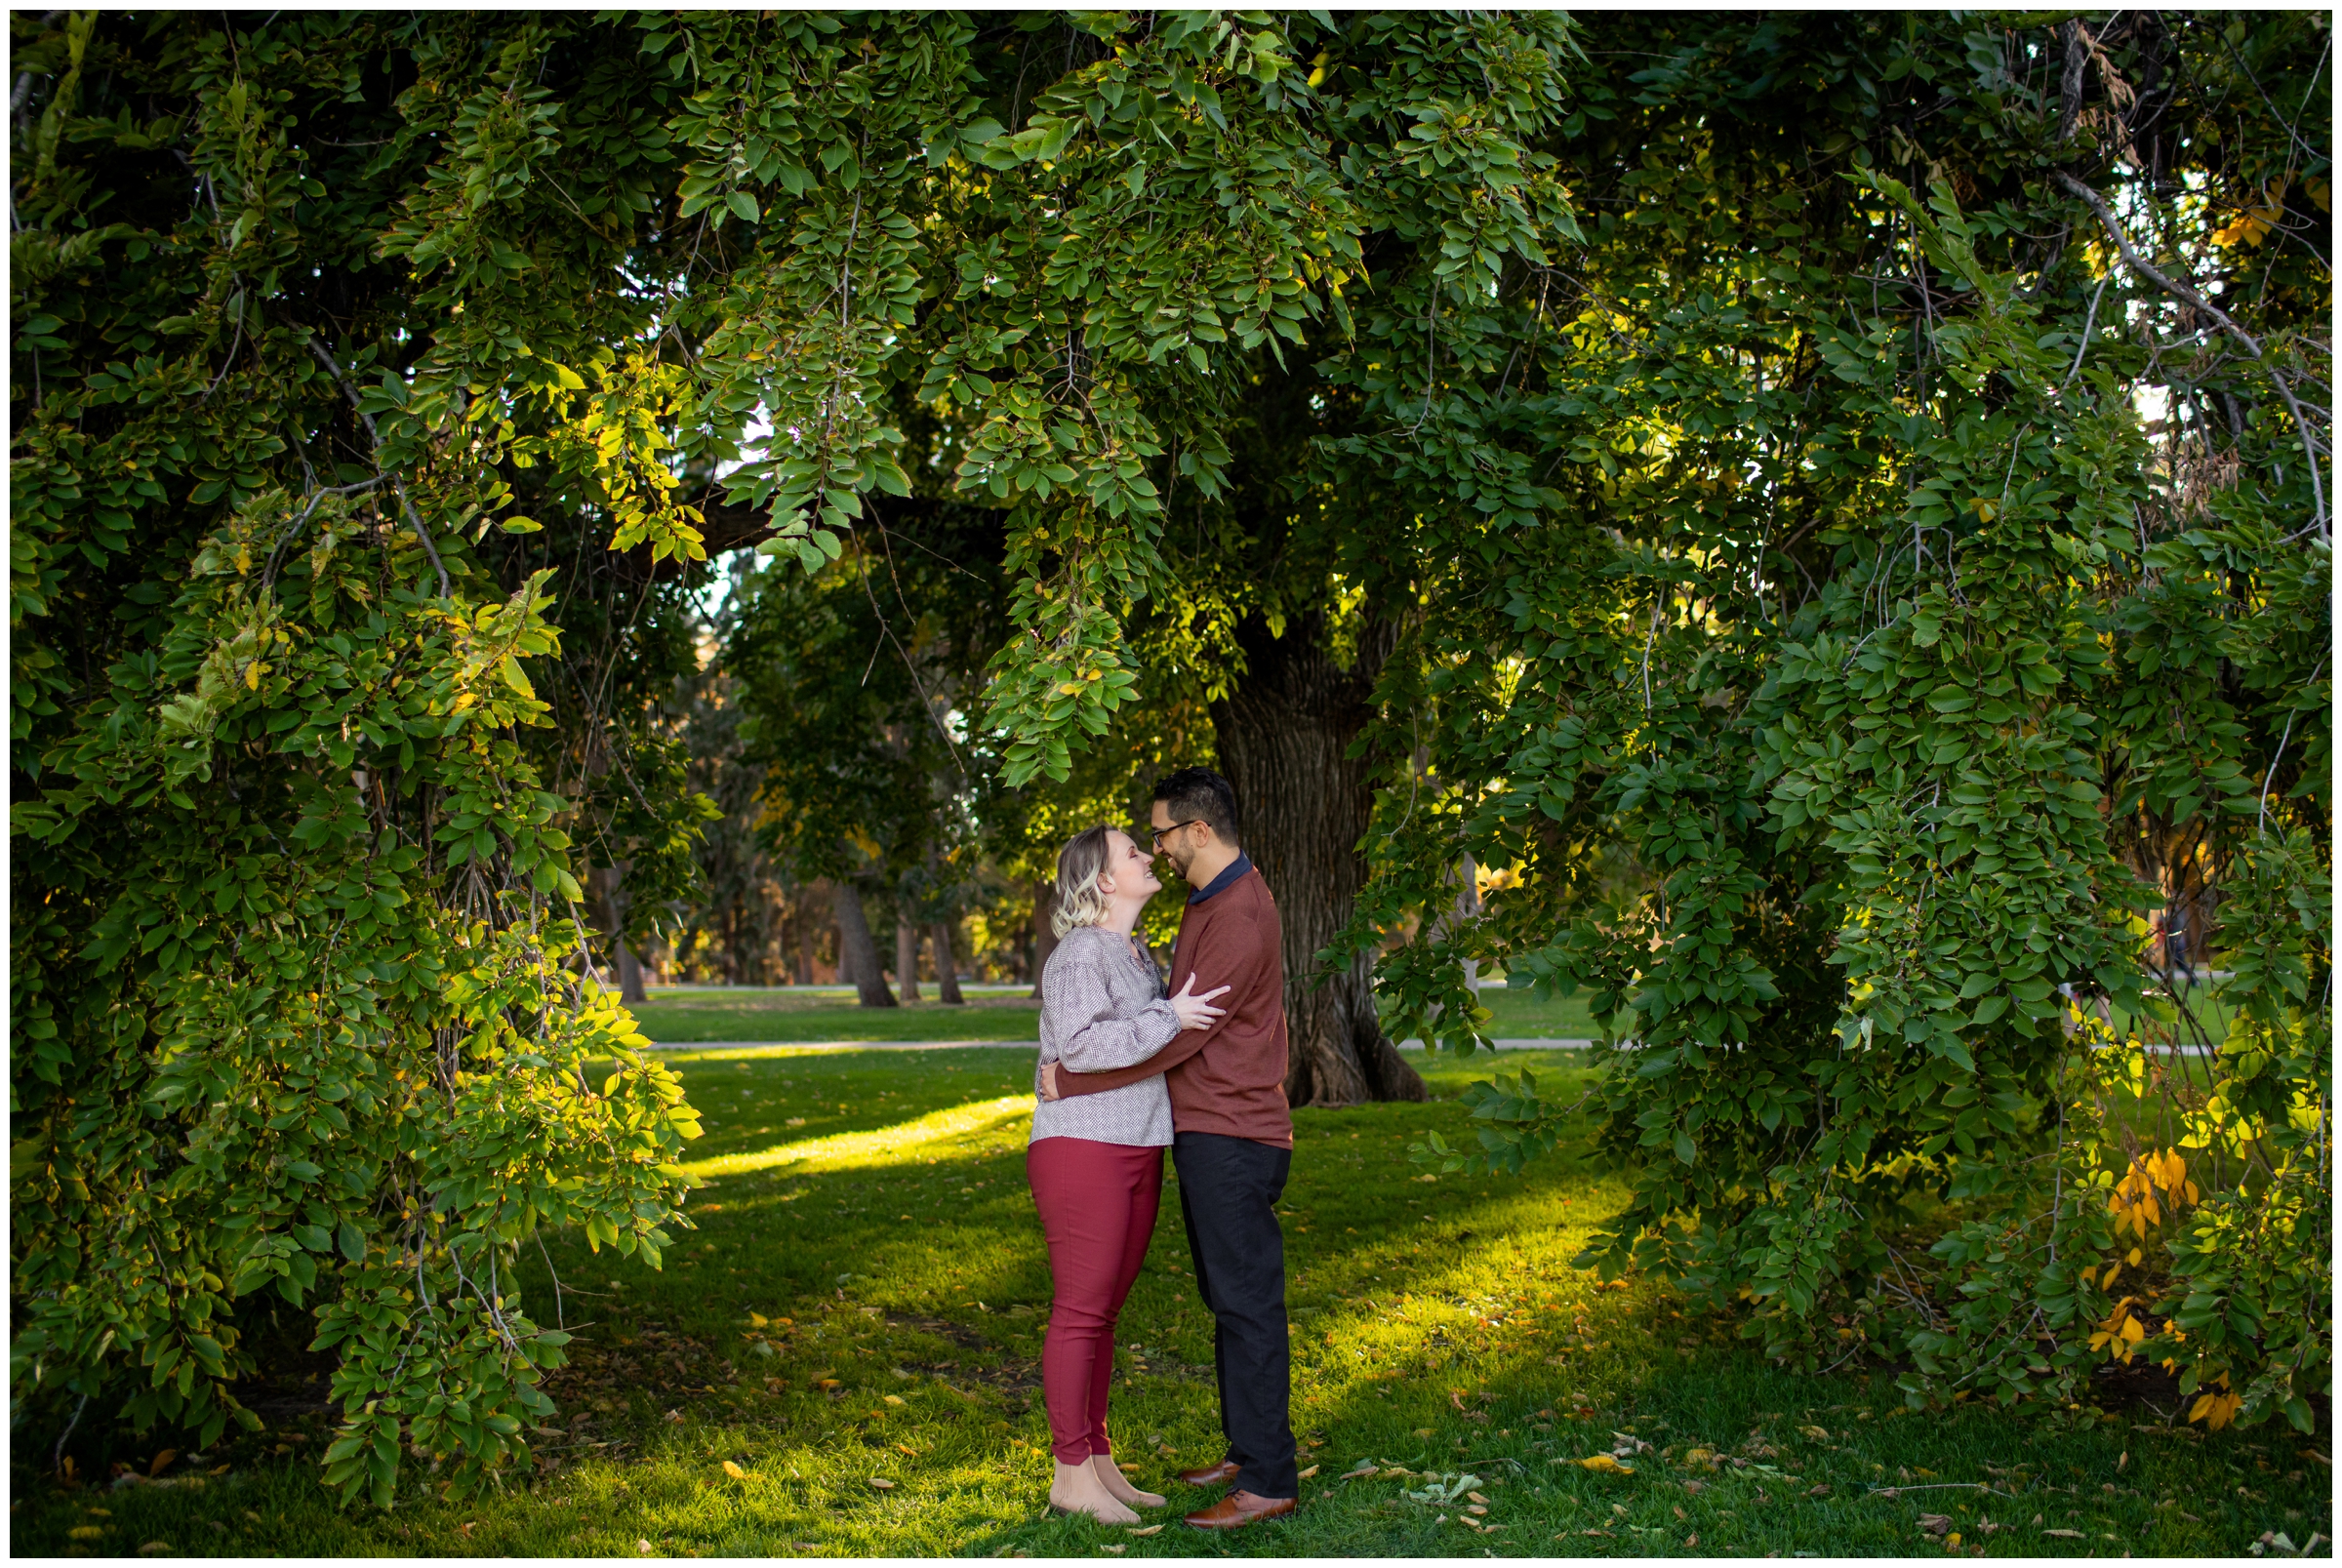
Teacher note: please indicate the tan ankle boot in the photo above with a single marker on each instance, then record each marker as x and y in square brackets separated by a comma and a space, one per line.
[1117, 1485]
[1076, 1489]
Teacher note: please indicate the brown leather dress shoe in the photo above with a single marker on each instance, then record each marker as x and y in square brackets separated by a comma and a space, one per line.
[1238, 1509]
[1219, 1474]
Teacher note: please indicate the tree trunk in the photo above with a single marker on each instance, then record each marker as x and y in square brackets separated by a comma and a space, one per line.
[1282, 734]
[610, 905]
[856, 952]
[1044, 934]
[906, 958]
[804, 959]
[947, 967]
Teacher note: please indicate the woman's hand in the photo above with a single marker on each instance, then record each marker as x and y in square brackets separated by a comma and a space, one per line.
[1197, 1011]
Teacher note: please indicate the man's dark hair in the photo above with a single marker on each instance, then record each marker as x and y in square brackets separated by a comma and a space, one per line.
[1199, 794]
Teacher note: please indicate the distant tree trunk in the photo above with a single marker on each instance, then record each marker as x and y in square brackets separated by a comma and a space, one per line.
[1282, 735]
[610, 905]
[906, 957]
[804, 925]
[947, 967]
[857, 954]
[1044, 934]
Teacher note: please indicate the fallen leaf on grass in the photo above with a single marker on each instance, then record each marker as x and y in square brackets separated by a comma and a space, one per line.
[1695, 1488]
[1935, 1524]
[1365, 1466]
[1311, 1470]
[643, 1547]
[2070, 1535]
[1477, 1498]
[1606, 1464]
[1116, 1547]
[1148, 1530]
[162, 1461]
[154, 1549]
[883, 1484]
[1818, 1491]
[893, 1398]
[1817, 1433]
[735, 1471]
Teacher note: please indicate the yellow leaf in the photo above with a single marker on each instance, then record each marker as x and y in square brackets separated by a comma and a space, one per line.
[1605, 1465]
[2135, 1257]
[893, 1398]
[1147, 1531]
[735, 1471]
[758, 1320]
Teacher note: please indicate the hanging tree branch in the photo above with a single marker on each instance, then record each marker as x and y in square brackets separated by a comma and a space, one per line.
[2188, 296]
[375, 454]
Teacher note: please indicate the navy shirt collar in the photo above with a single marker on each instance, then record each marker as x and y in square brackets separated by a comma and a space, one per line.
[1225, 880]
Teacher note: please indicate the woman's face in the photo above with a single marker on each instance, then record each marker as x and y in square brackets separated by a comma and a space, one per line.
[1129, 871]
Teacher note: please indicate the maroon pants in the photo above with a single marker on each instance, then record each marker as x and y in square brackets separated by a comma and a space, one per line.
[1097, 1203]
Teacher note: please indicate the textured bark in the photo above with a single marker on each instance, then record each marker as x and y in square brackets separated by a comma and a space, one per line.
[947, 967]
[907, 960]
[855, 948]
[1282, 734]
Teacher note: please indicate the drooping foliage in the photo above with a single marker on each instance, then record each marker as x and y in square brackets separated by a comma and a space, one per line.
[373, 382]
[1925, 589]
[1936, 608]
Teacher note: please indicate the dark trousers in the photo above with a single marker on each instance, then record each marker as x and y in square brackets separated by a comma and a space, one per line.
[1228, 1191]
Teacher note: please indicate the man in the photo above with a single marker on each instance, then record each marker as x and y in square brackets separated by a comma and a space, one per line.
[1231, 1139]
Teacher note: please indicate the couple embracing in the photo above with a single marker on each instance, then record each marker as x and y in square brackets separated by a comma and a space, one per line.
[1126, 1071]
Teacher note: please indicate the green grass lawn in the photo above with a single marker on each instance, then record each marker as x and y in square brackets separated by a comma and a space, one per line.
[871, 1208]
[806, 1014]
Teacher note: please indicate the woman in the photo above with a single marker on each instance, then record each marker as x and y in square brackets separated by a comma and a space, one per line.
[1095, 1162]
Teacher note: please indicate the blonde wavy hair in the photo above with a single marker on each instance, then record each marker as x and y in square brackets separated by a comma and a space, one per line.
[1080, 902]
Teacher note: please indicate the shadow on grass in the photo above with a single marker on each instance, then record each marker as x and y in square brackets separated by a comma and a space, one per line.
[888, 1402]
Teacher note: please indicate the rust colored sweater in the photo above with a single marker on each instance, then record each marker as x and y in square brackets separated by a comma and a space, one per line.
[1228, 1078]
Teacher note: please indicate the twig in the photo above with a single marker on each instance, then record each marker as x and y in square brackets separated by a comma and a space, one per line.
[2090, 324]
[414, 520]
[2188, 296]
[57, 1459]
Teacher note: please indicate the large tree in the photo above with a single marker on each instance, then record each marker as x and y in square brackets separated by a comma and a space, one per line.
[1935, 605]
[372, 384]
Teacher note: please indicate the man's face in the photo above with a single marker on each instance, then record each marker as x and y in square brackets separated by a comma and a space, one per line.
[1179, 848]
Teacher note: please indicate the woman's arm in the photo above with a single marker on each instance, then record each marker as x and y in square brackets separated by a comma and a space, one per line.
[1093, 1033]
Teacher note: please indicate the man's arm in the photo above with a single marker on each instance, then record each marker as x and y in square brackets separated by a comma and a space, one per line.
[1071, 1083]
[1230, 957]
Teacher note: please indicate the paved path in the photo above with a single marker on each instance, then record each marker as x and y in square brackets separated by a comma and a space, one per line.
[1018, 1045]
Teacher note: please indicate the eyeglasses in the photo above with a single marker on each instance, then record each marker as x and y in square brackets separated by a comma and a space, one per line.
[1159, 834]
